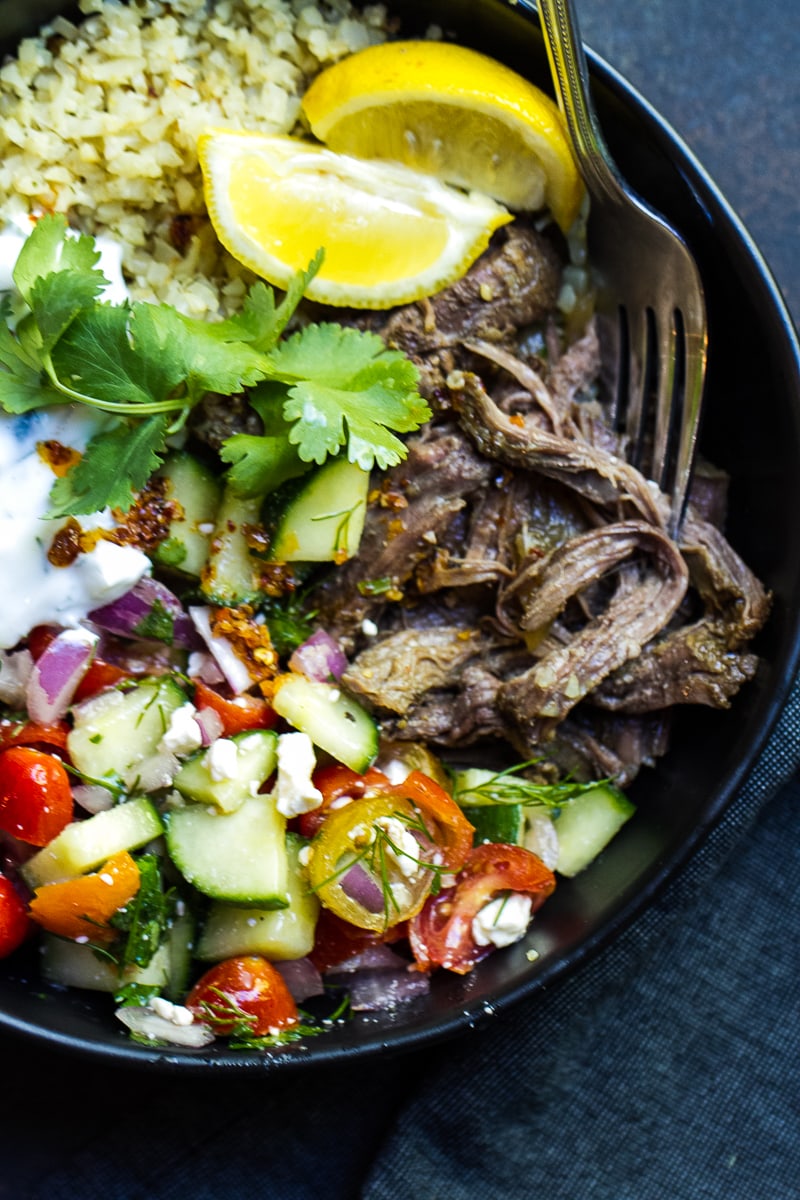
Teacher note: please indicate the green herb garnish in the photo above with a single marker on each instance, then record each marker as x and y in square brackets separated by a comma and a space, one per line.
[324, 389]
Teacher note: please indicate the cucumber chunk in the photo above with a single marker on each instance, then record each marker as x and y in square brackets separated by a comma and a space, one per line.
[195, 491]
[467, 784]
[238, 856]
[587, 824]
[279, 934]
[84, 845]
[116, 730]
[231, 575]
[73, 965]
[256, 756]
[497, 823]
[321, 517]
[334, 721]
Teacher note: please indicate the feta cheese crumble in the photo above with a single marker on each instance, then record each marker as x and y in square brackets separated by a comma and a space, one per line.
[222, 759]
[183, 733]
[294, 790]
[502, 921]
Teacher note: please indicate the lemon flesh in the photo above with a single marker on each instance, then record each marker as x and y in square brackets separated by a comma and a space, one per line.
[452, 112]
[390, 234]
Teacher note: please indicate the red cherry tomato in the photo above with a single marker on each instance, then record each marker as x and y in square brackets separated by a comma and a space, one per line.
[14, 920]
[245, 992]
[100, 675]
[35, 797]
[440, 935]
[31, 733]
[237, 715]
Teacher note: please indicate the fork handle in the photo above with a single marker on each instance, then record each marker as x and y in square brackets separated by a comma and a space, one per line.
[559, 21]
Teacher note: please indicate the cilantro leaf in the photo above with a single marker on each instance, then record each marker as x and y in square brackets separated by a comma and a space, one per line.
[49, 249]
[261, 322]
[56, 299]
[259, 465]
[116, 463]
[144, 353]
[347, 388]
[22, 383]
[96, 357]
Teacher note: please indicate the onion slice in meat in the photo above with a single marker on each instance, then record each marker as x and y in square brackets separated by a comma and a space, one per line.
[57, 672]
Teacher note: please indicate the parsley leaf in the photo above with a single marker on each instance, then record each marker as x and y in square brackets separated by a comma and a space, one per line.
[346, 388]
[116, 463]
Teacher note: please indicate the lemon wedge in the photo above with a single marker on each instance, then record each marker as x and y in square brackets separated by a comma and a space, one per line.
[390, 234]
[452, 112]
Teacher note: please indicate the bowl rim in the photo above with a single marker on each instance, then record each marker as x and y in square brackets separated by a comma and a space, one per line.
[622, 915]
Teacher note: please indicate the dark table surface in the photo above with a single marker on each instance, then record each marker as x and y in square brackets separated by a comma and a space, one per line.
[706, 1103]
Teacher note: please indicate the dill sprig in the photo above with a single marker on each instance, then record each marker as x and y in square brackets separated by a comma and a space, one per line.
[510, 787]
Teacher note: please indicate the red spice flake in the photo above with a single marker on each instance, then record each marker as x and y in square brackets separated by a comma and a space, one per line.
[256, 538]
[276, 579]
[147, 522]
[250, 641]
[66, 545]
[59, 458]
[517, 419]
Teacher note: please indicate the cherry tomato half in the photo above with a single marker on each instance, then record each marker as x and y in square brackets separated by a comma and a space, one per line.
[244, 992]
[14, 920]
[83, 907]
[35, 796]
[99, 676]
[440, 935]
[336, 781]
[31, 733]
[237, 715]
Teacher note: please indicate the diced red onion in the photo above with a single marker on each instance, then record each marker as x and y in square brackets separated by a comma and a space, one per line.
[148, 1024]
[302, 978]
[57, 672]
[374, 958]
[15, 671]
[211, 724]
[320, 657]
[377, 991]
[359, 885]
[236, 673]
[125, 616]
[92, 797]
[203, 666]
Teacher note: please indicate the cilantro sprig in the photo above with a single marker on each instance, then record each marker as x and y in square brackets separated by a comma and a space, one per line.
[322, 390]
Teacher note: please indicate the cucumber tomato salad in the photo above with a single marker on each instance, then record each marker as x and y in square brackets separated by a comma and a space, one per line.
[197, 817]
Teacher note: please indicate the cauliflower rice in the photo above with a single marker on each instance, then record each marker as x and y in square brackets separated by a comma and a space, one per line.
[100, 121]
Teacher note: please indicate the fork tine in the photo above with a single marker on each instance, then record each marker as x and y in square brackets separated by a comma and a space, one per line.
[669, 352]
[638, 357]
[696, 347]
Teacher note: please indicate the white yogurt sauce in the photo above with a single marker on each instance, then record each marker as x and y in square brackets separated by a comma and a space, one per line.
[32, 591]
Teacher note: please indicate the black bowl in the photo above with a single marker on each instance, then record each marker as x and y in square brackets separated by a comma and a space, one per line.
[752, 428]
